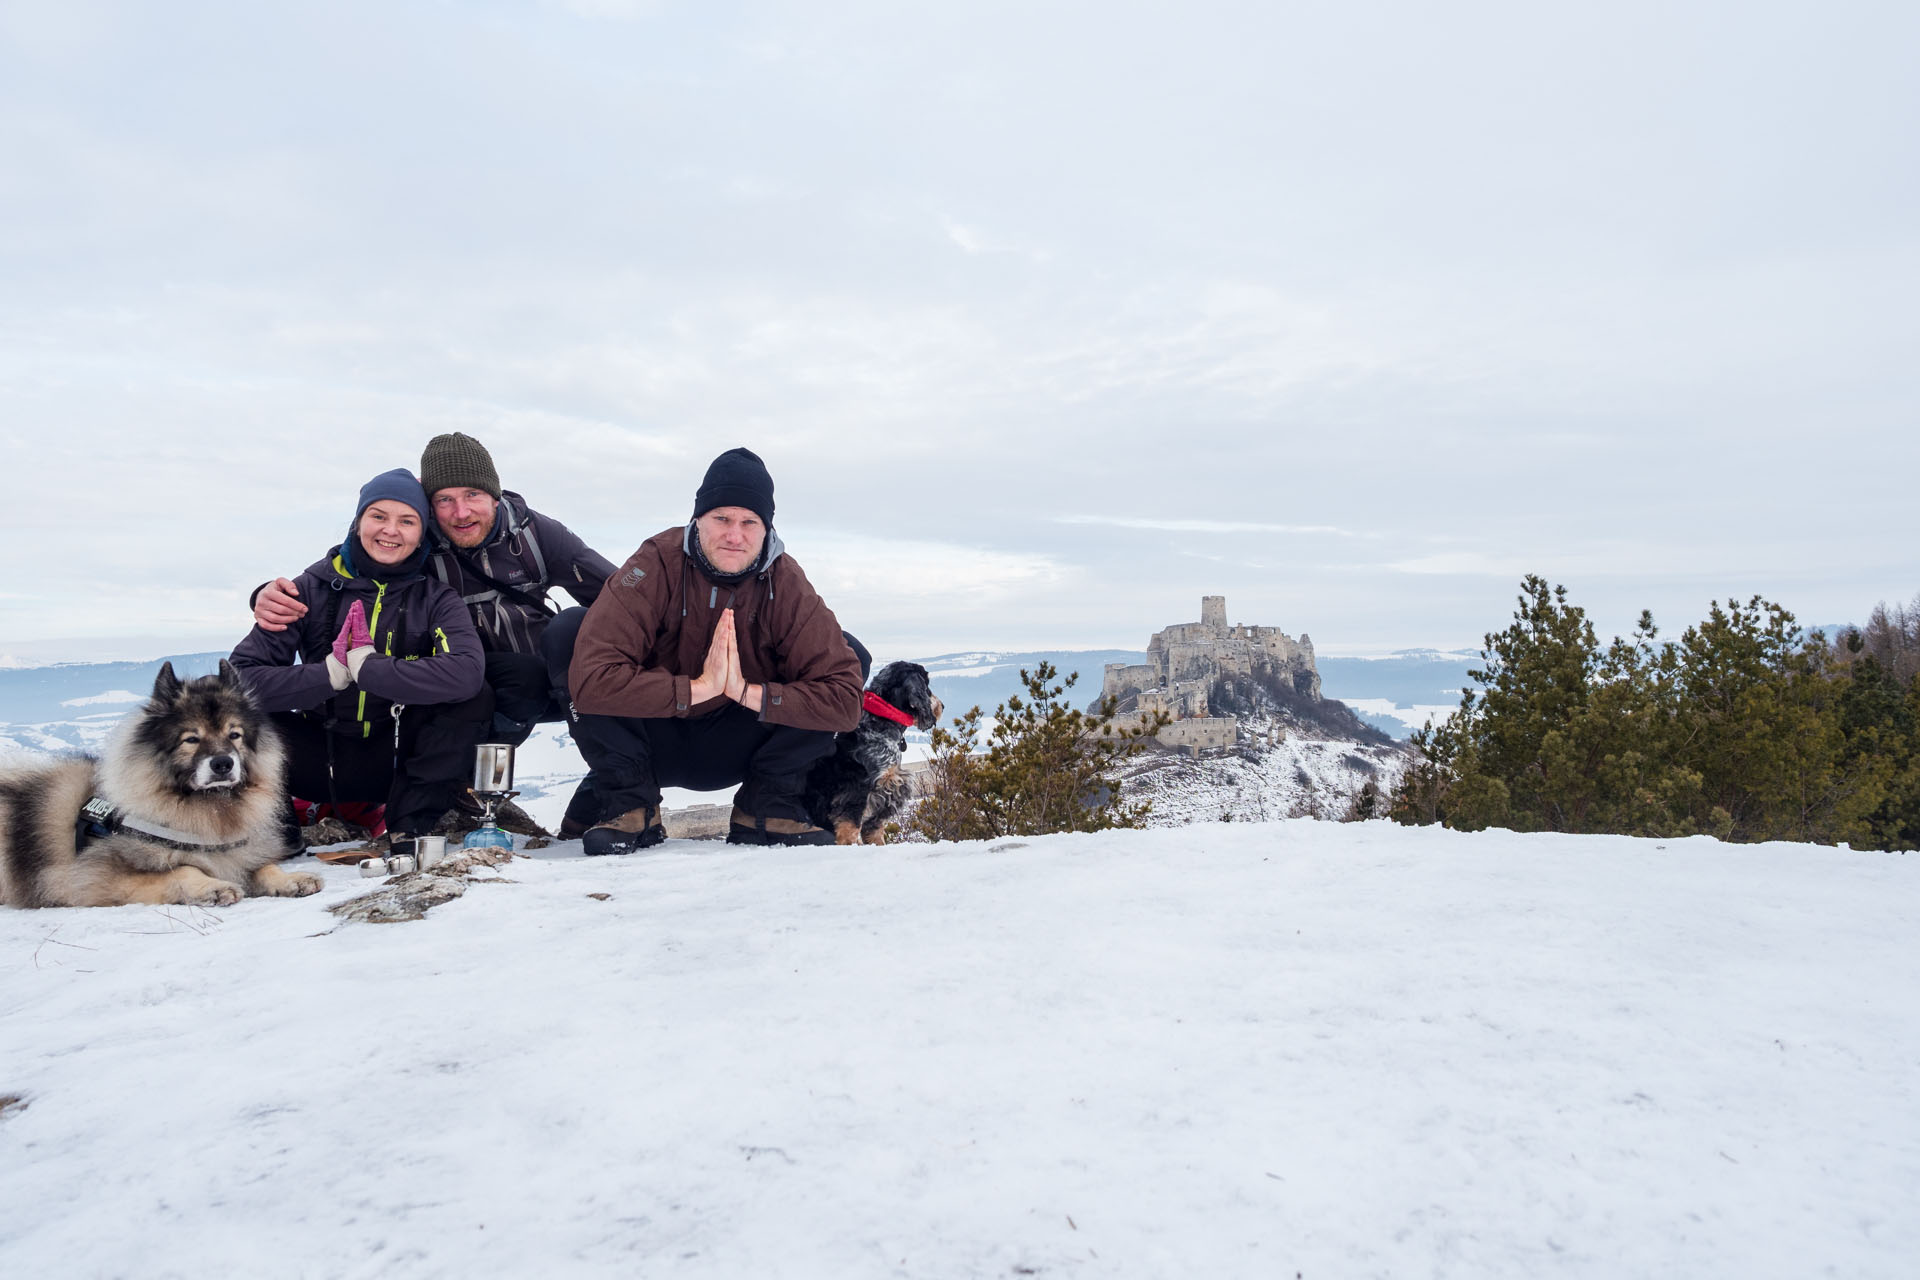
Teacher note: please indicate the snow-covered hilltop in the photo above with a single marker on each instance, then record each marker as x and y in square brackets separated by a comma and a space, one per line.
[1250, 737]
[1247, 1050]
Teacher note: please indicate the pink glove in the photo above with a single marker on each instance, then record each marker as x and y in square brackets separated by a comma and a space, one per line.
[353, 632]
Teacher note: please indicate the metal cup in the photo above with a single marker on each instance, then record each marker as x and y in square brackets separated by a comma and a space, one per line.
[431, 851]
[401, 863]
[492, 768]
[373, 866]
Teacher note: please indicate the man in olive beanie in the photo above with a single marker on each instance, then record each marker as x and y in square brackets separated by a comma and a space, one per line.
[710, 660]
[503, 559]
[458, 461]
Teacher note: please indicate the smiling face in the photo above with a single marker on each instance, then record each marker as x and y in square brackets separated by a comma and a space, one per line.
[731, 537]
[464, 515]
[389, 530]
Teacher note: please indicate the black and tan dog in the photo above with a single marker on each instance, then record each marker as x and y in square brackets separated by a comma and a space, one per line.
[183, 806]
[857, 790]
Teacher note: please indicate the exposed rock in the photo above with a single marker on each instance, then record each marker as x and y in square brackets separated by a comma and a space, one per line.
[331, 830]
[411, 896]
[465, 817]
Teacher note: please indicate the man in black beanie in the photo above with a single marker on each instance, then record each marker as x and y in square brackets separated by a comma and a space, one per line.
[709, 660]
[503, 559]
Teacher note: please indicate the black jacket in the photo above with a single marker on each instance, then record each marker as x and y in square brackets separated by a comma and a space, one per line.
[426, 651]
[526, 556]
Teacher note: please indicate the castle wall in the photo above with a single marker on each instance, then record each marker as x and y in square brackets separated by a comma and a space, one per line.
[1121, 680]
[1204, 733]
[1181, 700]
[1185, 659]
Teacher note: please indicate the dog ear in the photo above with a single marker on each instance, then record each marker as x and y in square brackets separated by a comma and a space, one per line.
[920, 700]
[166, 685]
[230, 675]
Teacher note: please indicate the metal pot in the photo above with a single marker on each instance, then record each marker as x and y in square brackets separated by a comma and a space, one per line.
[492, 768]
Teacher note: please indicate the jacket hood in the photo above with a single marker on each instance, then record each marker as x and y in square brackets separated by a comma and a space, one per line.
[774, 549]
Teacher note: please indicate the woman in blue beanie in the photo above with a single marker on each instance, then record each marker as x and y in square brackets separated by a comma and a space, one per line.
[380, 689]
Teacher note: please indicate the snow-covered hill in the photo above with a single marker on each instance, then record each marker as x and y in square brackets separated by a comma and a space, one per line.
[1302, 1048]
[1299, 777]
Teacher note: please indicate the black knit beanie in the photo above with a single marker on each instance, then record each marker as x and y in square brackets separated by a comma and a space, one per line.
[737, 478]
[457, 461]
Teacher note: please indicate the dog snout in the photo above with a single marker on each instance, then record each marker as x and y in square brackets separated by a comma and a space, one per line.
[221, 766]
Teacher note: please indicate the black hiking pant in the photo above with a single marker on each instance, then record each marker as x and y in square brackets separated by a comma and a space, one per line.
[523, 695]
[418, 781]
[631, 759]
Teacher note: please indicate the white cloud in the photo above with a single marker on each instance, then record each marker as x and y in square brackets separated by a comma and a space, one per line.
[877, 569]
[1206, 526]
[951, 273]
[1465, 563]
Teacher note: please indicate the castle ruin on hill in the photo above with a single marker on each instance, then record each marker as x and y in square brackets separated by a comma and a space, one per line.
[1185, 661]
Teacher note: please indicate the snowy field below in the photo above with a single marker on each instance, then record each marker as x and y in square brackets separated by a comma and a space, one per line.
[1224, 1050]
[1406, 718]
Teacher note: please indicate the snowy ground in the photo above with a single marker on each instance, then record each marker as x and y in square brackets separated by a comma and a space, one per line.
[1257, 782]
[1224, 1050]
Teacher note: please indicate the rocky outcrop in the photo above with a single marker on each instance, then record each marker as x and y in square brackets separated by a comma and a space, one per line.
[1187, 661]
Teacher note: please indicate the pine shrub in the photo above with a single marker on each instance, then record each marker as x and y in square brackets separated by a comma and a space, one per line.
[1046, 767]
[1744, 728]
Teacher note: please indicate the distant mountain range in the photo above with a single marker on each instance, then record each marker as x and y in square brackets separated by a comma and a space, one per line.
[1416, 678]
[71, 704]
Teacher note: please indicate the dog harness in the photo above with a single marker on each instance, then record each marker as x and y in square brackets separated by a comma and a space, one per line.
[99, 819]
[885, 710]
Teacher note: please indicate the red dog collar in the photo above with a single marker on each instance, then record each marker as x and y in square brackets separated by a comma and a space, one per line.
[885, 710]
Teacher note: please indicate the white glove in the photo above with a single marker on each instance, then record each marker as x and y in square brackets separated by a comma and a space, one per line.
[337, 674]
[356, 659]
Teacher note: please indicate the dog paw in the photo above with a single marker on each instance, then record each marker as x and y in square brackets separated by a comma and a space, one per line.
[216, 893]
[299, 884]
[271, 882]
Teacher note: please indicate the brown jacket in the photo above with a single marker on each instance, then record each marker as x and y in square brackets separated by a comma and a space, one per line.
[646, 637]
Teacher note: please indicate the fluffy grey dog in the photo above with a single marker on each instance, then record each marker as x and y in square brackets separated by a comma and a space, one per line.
[183, 806]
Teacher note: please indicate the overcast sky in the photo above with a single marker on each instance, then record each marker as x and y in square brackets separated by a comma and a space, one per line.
[1047, 318]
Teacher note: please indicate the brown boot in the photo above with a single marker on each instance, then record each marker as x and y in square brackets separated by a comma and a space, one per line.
[635, 829]
[748, 828]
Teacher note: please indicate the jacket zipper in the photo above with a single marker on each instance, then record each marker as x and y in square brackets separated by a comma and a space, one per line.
[373, 628]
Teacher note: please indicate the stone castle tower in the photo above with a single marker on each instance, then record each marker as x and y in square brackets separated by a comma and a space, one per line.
[1184, 660]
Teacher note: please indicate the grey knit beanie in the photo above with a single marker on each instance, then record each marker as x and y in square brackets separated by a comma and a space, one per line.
[457, 461]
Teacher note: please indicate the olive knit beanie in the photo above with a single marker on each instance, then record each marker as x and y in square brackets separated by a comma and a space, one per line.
[457, 461]
[737, 478]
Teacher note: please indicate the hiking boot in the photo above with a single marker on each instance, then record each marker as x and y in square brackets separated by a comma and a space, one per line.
[580, 810]
[635, 829]
[747, 828]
